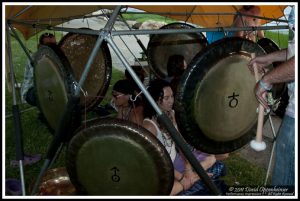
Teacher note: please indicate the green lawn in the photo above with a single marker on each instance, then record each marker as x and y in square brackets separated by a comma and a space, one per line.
[36, 136]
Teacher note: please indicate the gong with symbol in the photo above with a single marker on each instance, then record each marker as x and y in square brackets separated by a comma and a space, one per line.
[215, 105]
[116, 157]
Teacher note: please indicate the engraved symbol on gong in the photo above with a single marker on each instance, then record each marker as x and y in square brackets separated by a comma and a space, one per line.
[50, 95]
[233, 102]
[115, 177]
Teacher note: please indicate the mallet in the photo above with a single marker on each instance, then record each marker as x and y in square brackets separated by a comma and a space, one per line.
[258, 144]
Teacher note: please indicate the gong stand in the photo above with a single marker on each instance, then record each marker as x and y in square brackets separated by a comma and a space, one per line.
[138, 41]
[73, 102]
[272, 152]
[167, 123]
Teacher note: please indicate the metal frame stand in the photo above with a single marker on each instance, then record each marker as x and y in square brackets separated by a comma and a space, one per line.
[16, 115]
[272, 152]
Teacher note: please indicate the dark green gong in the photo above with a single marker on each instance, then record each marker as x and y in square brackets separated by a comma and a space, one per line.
[116, 157]
[216, 105]
[53, 80]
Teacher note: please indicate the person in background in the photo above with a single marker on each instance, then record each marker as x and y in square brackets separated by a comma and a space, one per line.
[176, 66]
[284, 167]
[28, 89]
[127, 102]
[242, 20]
[185, 177]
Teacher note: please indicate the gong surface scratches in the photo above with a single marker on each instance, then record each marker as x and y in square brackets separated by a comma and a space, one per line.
[162, 46]
[78, 48]
[53, 80]
[116, 157]
[215, 105]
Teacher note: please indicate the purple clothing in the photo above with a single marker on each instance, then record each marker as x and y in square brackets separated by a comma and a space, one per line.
[179, 161]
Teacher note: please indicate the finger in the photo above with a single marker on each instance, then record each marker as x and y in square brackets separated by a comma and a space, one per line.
[262, 101]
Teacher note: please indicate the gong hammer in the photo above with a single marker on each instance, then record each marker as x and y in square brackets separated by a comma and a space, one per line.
[258, 144]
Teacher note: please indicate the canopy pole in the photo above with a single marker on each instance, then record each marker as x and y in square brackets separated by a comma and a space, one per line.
[21, 44]
[16, 114]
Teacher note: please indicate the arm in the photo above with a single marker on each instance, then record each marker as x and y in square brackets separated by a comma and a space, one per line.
[260, 34]
[285, 72]
[150, 127]
[263, 61]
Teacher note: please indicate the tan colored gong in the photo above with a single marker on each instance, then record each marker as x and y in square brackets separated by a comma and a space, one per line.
[162, 46]
[117, 157]
[216, 106]
[77, 48]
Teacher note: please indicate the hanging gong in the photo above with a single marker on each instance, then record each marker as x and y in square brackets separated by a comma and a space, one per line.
[162, 46]
[270, 46]
[54, 82]
[116, 157]
[216, 106]
[77, 48]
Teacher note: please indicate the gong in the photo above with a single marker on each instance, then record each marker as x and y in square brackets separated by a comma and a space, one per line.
[215, 105]
[116, 157]
[77, 48]
[53, 79]
[270, 46]
[162, 46]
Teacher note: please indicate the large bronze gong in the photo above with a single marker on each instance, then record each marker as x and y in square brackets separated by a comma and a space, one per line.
[216, 106]
[53, 80]
[162, 46]
[116, 157]
[77, 48]
[270, 46]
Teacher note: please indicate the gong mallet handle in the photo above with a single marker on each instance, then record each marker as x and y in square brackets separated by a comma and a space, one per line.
[258, 144]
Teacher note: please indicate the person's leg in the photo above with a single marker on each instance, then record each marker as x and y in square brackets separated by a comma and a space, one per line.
[218, 170]
[284, 167]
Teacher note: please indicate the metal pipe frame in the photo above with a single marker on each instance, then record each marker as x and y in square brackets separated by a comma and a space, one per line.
[16, 114]
[144, 32]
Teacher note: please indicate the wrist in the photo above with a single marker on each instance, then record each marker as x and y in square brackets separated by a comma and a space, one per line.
[265, 85]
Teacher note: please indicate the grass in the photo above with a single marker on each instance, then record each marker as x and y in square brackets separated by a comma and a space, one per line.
[279, 38]
[144, 17]
[37, 138]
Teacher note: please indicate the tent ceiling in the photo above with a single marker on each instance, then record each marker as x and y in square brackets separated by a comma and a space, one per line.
[222, 14]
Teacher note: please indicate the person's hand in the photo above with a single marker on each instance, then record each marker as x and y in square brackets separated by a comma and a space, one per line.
[189, 178]
[260, 90]
[261, 62]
